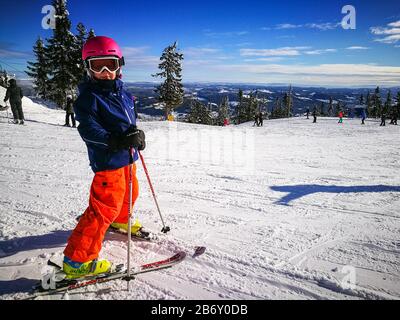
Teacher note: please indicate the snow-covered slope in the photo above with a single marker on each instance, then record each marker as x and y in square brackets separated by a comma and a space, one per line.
[288, 211]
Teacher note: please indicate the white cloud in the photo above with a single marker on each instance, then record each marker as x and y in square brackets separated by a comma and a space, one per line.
[195, 52]
[286, 51]
[269, 59]
[321, 51]
[390, 39]
[395, 24]
[138, 57]
[323, 26]
[357, 48]
[229, 34]
[324, 74]
[319, 26]
[5, 53]
[391, 33]
[323, 69]
[287, 26]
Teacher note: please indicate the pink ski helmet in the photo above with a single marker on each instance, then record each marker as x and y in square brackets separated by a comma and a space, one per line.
[101, 46]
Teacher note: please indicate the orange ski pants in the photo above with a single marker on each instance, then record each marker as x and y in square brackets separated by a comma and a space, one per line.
[108, 203]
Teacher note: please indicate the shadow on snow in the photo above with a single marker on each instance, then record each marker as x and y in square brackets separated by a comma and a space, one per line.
[299, 191]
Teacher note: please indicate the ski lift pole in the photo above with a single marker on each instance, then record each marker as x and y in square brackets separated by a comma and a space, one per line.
[165, 229]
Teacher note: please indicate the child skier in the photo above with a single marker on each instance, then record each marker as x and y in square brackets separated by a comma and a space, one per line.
[340, 117]
[107, 124]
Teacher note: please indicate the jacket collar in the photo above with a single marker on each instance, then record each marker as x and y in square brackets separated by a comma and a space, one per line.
[101, 86]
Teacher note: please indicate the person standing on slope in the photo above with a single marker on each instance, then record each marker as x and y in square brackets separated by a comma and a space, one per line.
[69, 112]
[14, 93]
[383, 118]
[107, 124]
[363, 116]
[340, 117]
[315, 115]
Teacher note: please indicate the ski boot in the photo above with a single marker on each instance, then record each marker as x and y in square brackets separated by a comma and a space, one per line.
[137, 230]
[75, 270]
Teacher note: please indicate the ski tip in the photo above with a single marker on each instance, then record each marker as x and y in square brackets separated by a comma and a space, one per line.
[198, 251]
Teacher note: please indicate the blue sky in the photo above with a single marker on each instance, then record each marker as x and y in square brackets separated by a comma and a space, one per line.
[298, 42]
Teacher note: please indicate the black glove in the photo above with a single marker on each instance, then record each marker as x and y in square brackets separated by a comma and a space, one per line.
[133, 137]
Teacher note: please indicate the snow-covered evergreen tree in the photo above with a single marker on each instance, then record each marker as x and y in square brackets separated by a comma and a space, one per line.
[241, 108]
[288, 103]
[199, 113]
[387, 109]
[91, 34]
[80, 39]
[322, 109]
[398, 99]
[330, 107]
[4, 77]
[361, 101]
[223, 111]
[170, 92]
[377, 110]
[251, 106]
[38, 70]
[369, 104]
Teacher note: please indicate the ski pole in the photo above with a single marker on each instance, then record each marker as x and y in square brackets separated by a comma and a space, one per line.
[165, 229]
[128, 276]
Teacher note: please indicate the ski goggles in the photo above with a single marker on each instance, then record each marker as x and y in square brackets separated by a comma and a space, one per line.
[98, 65]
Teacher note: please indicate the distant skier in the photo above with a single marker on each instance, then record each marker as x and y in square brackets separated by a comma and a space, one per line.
[107, 124]
[396, 116]
[393, 119]
[315, 115]
[260, 119]
[69, 112]
[383, 119]
[14, 93]
[308, 113]
[363, 116]
[340, 117]
[256, 120]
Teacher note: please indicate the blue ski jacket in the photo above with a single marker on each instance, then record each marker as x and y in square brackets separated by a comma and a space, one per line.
[102, 111]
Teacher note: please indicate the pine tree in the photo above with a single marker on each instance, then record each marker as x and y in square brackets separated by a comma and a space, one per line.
[322, 112]
[251, 107]
[241, 108]
[330, 108]
[288, 103]
[369, 103]
[377, 109]
[80, 39]
[4, 77]
[361, 100]
[277, 110]
[62, 69]
[91, 34]
[170, 92]
[223, 111]
[199, 113]
[38, 70]
[338, 108]
[388, 104]
[398, 104]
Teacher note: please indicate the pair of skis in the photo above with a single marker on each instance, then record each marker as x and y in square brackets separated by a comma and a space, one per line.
[51, 286]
